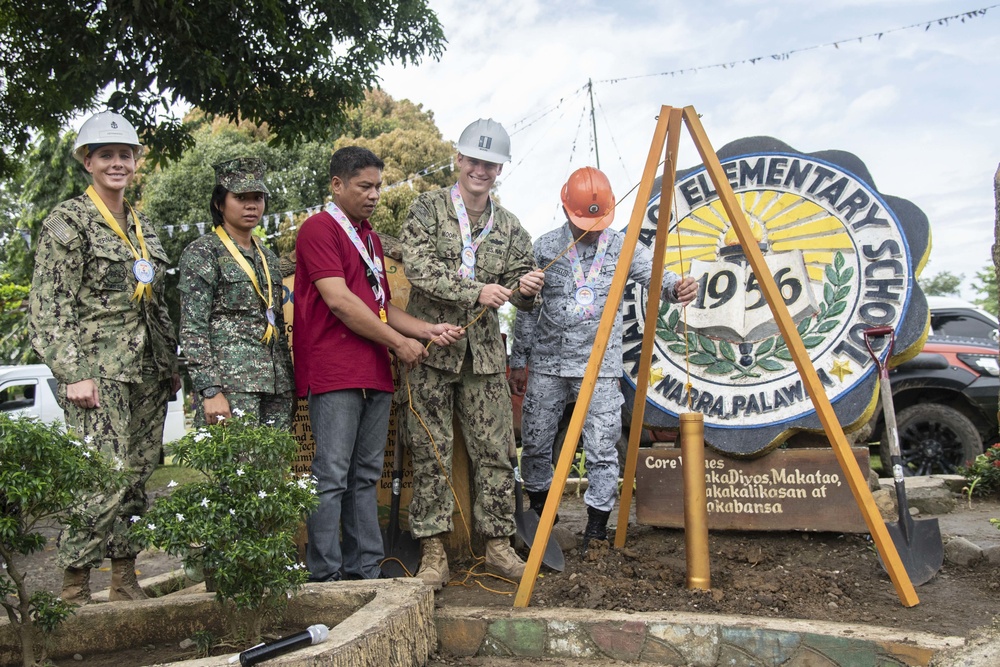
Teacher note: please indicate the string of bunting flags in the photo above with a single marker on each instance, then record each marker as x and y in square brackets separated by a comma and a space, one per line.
[270, 223]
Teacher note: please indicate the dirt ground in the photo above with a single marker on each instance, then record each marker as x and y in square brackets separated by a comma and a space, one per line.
[821, 576]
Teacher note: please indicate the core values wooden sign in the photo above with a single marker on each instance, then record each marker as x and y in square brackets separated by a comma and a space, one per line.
[788, 489]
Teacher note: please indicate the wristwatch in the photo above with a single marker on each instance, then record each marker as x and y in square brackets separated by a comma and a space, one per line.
[210, 392]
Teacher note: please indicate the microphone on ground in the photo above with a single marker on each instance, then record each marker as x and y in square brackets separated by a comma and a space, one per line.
[314, 634]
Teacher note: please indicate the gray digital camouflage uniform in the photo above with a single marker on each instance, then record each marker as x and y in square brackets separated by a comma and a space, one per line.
[85, 325]
[222, 321]
[555, 343]
[468, 376]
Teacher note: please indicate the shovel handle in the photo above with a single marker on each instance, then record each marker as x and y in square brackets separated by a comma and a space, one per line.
[873, 332]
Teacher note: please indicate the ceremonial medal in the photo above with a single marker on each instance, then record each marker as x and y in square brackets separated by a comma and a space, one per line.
[585, 295]
[269, 313]
[143, 271]
[469, 256]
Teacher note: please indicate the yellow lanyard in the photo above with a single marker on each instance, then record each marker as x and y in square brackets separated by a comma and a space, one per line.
[245, 265]
[142, 268]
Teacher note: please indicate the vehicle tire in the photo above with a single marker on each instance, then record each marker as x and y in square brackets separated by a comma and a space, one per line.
[933, 438]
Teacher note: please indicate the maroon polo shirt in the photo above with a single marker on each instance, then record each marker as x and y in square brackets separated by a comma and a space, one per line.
[328, 355]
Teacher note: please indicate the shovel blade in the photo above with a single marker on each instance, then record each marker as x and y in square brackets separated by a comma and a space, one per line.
[527, 526]
[920, 548]
[402, 554]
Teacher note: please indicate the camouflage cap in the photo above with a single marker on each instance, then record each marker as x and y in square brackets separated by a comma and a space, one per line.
[242, 174]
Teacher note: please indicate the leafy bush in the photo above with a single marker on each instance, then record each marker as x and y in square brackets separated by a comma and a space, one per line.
[239, 524]
[983, 474]
[45, 474]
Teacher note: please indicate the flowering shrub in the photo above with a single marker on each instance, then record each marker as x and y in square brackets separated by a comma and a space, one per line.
[45, 474]
[983, 474]
[239, 524]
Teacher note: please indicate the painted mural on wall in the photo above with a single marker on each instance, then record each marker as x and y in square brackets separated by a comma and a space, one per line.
[845, 257]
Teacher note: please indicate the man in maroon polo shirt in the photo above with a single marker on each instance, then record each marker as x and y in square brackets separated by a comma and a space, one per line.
[345, 327]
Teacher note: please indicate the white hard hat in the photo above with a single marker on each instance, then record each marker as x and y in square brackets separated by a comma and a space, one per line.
[105, 127]
[485, 140]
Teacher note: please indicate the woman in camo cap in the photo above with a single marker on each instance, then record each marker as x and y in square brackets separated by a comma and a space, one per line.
[232, 329]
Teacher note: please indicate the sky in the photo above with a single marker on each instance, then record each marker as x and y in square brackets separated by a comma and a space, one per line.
[920, 106]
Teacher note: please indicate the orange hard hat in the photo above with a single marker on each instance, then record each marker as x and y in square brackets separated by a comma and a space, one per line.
[589, 200]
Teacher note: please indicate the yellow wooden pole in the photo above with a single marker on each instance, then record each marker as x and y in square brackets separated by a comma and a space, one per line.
[652, 313]
[856, 480]
[527, 584]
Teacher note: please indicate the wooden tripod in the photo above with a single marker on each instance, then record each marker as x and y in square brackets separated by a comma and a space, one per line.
[667, 132]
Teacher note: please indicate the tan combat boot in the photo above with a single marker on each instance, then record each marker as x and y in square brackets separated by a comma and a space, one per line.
[433, 563]
[76, 586]
[123, 583]
[502, 559]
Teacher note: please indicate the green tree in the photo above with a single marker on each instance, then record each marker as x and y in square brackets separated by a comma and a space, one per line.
[45, 475]
[295, 66]
[985, 287]
[944, 283]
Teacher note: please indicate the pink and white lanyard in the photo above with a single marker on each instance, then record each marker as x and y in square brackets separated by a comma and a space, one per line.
[469, 247]
[373, 263]
[585, 294]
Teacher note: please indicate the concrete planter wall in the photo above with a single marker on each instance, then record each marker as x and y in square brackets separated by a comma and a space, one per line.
[377, 622]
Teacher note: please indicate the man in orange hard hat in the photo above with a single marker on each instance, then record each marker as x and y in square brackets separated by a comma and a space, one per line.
[556, 339]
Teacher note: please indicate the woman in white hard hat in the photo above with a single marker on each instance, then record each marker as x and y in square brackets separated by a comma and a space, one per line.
[232, 328]
[98, 319]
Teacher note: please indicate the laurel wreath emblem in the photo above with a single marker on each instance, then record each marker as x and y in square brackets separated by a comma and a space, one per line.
[771, 355]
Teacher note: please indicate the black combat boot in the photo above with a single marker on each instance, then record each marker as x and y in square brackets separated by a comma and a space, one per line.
[597, 526]
[537, 502]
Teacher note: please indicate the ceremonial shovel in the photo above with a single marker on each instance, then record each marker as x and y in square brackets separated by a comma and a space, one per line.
[918, 542]
[527, 522]
[400, 548]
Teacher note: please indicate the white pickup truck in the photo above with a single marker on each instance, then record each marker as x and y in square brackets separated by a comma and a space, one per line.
[31, 390]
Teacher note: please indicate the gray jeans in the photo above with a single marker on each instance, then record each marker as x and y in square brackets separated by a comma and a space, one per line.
[350, 429]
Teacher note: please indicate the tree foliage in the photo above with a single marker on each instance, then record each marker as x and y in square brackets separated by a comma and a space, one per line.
[293, 65]
[45, 476]
[944, 283]
[986, 289]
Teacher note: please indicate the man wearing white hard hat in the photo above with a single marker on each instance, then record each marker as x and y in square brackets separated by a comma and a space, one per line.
[465, 256]
[556, 340]
[99, 321]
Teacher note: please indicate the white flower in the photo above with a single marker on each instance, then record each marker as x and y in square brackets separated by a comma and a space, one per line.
[201, 435]
[180, 517]
[86, 453]
[77, 443]
[118, 465]
[270, 422]
[151, 526]
[135, 517]
[89, 439]
[262, 494]
[303, 484]
[237, 412]
[232, 511]
[239, 472]
[172, 484]
[204, 502]
[220, 419]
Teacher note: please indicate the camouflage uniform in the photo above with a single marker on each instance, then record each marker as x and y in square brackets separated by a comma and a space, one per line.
[85, 325]
[556, 342]
[467, 376]
[222, 321]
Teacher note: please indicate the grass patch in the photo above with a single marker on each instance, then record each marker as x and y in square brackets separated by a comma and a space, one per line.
[164, 474]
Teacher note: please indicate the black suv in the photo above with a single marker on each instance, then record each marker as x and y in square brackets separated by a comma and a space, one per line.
[946, 397]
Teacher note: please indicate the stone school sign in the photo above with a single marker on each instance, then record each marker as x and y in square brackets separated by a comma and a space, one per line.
[845, 257]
